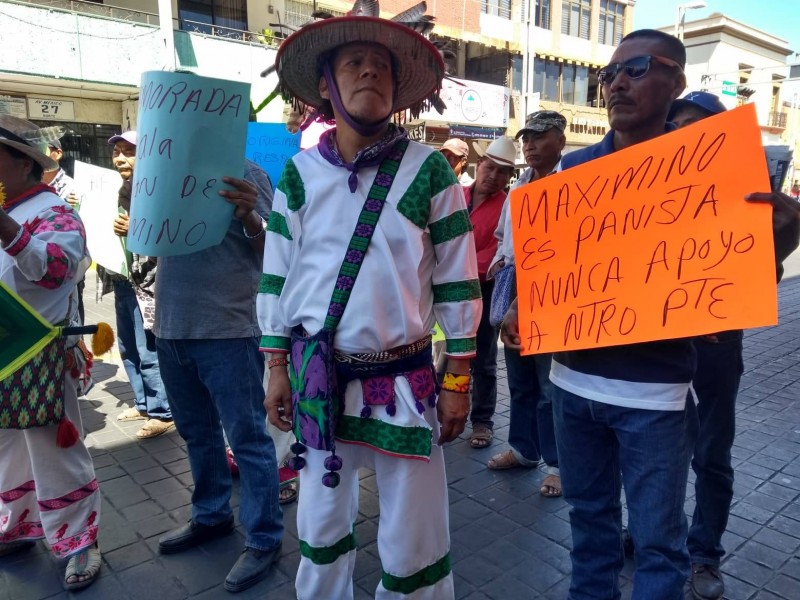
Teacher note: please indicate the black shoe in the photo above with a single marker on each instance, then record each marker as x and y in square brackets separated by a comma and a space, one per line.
[192, 534]
[706, 582]
[251, 567]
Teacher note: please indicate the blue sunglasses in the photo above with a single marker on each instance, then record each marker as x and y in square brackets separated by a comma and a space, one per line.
[635, 68]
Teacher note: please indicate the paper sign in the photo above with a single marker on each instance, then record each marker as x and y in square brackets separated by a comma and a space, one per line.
[270, 145]
[653, 242]
[99, 190]
[191, 132]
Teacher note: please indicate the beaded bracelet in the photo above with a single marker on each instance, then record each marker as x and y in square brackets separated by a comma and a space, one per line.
[456, 383]
[277, 362]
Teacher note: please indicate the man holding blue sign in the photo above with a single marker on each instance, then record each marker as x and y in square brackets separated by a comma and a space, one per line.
[207, 341]
[207, 230]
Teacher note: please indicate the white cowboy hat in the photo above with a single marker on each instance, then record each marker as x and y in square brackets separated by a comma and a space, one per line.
[27, 138]
[419, 65]
[501, 151]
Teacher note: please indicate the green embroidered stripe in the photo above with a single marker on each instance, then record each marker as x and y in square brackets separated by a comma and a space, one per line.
[291, 184]
[457, 291]
[326, 555]
[450, 227]
[275, 341]
[358, 243]
[434, 176]
[422, 578]
[406, 441]
[391, 167]
[460, 346]
[340, 296]
[349, 269]
[369, 218]
[380, 193]
[271, 284]
[277, 224]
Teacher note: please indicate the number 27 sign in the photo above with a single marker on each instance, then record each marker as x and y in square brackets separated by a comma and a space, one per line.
[54, 110]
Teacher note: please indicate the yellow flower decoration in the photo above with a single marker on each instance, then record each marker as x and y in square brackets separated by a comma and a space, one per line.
[2, 195]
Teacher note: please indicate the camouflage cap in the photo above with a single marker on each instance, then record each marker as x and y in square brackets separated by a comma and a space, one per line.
[543, 120]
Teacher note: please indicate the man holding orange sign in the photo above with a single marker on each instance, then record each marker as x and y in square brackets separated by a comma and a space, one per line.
[617, 268]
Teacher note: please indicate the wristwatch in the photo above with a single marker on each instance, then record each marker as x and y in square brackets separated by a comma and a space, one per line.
[261, 230]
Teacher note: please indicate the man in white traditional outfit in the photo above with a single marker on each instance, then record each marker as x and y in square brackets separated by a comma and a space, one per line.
[48, 487]
[359, 366]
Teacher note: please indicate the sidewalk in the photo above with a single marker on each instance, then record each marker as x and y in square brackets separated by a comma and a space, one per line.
[508, 542]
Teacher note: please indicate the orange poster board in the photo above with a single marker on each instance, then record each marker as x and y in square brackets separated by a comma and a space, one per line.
[652, 242]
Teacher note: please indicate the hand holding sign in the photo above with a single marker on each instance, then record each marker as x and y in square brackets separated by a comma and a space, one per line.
[651, 242]
[191, 133]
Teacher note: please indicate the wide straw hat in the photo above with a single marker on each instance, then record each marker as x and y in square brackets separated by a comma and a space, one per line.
[29, 139]
[501, 151]
[418, 63]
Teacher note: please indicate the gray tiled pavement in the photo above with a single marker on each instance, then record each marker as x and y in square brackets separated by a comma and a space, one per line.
[507, 541]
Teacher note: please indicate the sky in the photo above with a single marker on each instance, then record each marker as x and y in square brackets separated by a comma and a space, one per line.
[780, 18]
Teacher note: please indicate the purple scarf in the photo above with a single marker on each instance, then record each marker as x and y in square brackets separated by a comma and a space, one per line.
[370, 156]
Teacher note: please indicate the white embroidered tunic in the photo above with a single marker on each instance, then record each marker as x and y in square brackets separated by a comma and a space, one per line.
[420, 268]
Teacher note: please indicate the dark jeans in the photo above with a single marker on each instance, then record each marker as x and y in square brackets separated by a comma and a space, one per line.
[719, 370]
[137, 346]
[602, 446]
[530, 433]
[214, 384]
[484, 365]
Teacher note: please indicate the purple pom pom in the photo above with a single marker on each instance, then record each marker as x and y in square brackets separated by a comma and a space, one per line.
[420, 406]
[331, 480]
[296, 463]
[366, 412]
[297, 448]
[391, 409]
[333, 463]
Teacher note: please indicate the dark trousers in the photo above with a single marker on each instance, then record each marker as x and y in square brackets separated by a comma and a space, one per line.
[719, 369]
[531, 433]
[484, 365]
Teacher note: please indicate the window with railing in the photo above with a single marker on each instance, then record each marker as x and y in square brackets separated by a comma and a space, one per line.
[499, 8]
[777, 119]
[299, 13]
[612, 20]
[492, 67]
[541, 14]
[575, 18]
[213, 17]
[561, 82]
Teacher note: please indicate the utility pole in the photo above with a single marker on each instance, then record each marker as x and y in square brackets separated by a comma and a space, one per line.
[167, 35]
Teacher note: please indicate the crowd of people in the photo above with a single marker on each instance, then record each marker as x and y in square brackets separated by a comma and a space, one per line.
[333, 282]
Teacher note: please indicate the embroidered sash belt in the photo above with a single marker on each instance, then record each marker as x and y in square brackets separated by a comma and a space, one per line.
[390, 355]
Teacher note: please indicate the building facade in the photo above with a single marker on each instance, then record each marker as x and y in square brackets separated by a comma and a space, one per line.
[79, 62]
[740, 64]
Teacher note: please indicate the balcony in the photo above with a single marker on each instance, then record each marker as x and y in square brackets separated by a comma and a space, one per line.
[102, 51]
[99, 10]
[777, 120]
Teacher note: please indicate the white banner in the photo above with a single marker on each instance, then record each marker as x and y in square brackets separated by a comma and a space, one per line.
[472, 103]
[98, 188]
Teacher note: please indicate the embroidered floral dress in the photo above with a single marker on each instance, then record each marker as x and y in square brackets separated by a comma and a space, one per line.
[47, 491]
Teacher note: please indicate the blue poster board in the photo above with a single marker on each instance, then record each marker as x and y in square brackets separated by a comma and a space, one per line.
[270, 145]
[191, 132]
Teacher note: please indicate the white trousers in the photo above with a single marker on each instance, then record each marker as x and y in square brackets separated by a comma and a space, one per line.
[413, 528]
[47, 491]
